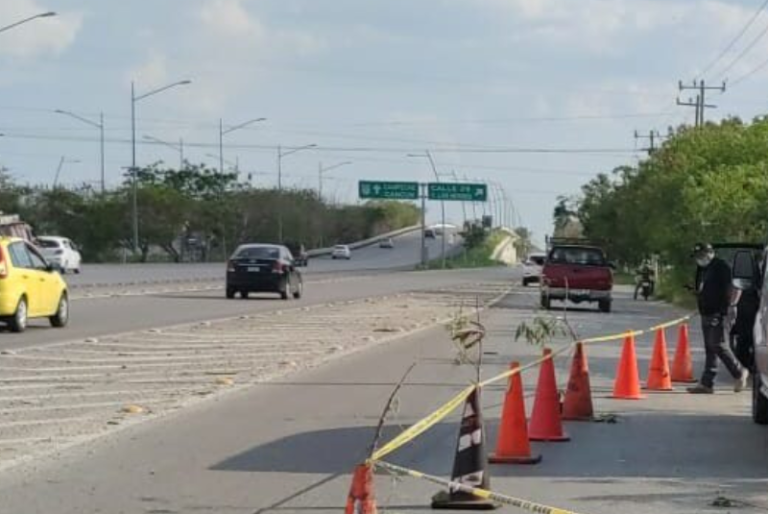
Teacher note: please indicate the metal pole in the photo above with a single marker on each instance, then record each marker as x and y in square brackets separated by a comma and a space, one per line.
[101, 143]
[134, 171]
[424, 256]
[442, 207]
[279, 193]
[320, 180]
[58, 170]
[221, 146]
[181, 154]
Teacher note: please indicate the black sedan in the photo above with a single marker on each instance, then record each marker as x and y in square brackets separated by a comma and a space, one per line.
[262, 268]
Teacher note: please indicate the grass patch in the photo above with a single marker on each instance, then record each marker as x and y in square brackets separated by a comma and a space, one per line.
[478, 257]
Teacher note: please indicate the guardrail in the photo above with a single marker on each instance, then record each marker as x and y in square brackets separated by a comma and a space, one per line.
[318, 252]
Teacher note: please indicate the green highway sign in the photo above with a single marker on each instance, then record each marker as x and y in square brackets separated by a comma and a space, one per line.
[457, 191]
[388, 190]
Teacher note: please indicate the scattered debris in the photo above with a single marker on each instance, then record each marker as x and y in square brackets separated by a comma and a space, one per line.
[133, 409]
[225, 381]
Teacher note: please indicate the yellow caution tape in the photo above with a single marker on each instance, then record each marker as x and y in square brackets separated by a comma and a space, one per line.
[422, 426]
[438, 415]
[538, 508]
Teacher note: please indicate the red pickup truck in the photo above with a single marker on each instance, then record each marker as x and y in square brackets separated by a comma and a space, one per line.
[579, 273]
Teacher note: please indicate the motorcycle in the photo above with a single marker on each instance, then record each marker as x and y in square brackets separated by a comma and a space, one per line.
[644, 287]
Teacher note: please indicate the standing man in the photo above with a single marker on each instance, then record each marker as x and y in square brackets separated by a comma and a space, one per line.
[717, 306]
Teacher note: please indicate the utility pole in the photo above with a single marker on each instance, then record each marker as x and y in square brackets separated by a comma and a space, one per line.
[652, 136]
[701, 88]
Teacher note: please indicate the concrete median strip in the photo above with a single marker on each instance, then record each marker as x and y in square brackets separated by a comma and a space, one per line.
[67, 393]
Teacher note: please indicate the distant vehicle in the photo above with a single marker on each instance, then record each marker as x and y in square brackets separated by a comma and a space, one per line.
[387, 243]
[260, 268]
[300, 255]
[430, 233]
[29, 286]
[11, 225]
[577, 272]
[60, 252]
[532, 268]
[341, 252]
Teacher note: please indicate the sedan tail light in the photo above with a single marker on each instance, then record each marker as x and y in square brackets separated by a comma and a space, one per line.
[277, 267]
[231, 266]
[3, 264]
[59, 252]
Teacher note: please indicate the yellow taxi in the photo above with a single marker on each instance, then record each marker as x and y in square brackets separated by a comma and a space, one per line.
[29, 286]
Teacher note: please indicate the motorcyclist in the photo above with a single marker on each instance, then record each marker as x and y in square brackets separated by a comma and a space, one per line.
[644, 275]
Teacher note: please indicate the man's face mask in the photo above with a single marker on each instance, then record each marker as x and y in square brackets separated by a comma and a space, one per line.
[704, 261]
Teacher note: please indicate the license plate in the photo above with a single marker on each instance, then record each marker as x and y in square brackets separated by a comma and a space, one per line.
[254, 269]
[580, 292]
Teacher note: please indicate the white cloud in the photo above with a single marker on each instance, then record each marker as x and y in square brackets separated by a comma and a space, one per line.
[45, 35]
[605, 26]
[153, 72]
[230, 19]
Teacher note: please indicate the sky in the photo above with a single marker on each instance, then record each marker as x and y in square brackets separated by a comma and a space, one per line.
[534, 96]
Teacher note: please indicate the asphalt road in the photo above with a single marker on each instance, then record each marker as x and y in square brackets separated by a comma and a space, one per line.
[289, 446]
[407, 252]
[370, 271]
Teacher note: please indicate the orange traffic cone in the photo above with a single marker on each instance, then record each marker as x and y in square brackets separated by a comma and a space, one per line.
[546, 424]
[658, 371]
[578, 397]
[682, 368]
[512, 446]
[361, 499]
[627, 385]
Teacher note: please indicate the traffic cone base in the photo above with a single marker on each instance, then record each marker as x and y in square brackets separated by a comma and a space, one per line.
[578, 396]
[546, 424]
[682, 367]
[627, 385]
[513, 446]
[446, 501]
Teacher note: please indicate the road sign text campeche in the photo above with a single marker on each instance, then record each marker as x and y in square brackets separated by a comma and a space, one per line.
[388, 190]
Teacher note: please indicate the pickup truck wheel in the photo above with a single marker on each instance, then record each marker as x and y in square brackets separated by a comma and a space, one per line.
[759, 402]
[604, 305]
[546, 302]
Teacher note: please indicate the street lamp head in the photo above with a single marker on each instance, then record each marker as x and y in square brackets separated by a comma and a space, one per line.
[48, 14]
[185, 82]
[59, 111]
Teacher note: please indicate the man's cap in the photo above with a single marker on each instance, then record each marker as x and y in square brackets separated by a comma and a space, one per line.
[701, 249]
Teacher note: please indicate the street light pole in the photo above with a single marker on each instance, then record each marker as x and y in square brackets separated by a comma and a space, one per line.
[25, 20]
[178, 147]
[134, 171]
[99, 125]
[223, 132]
[58, 169]
[280, 155]
[321, 170]
[442, 206]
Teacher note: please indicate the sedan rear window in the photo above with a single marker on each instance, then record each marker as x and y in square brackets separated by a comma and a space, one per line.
[48, 243]
[538, 260]
[581, 256]
[258, 252]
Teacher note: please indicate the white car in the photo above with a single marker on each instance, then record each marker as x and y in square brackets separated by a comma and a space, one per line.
[387, 243]
[60, 252]
[532, 268]
[341, 252]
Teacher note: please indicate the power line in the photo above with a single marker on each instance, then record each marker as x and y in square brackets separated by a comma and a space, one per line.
[700, 104]
[744, 52]
[358, 149]
[735, 40]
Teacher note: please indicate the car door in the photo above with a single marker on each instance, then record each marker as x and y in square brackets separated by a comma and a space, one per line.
[27, 276]
[48, 285]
